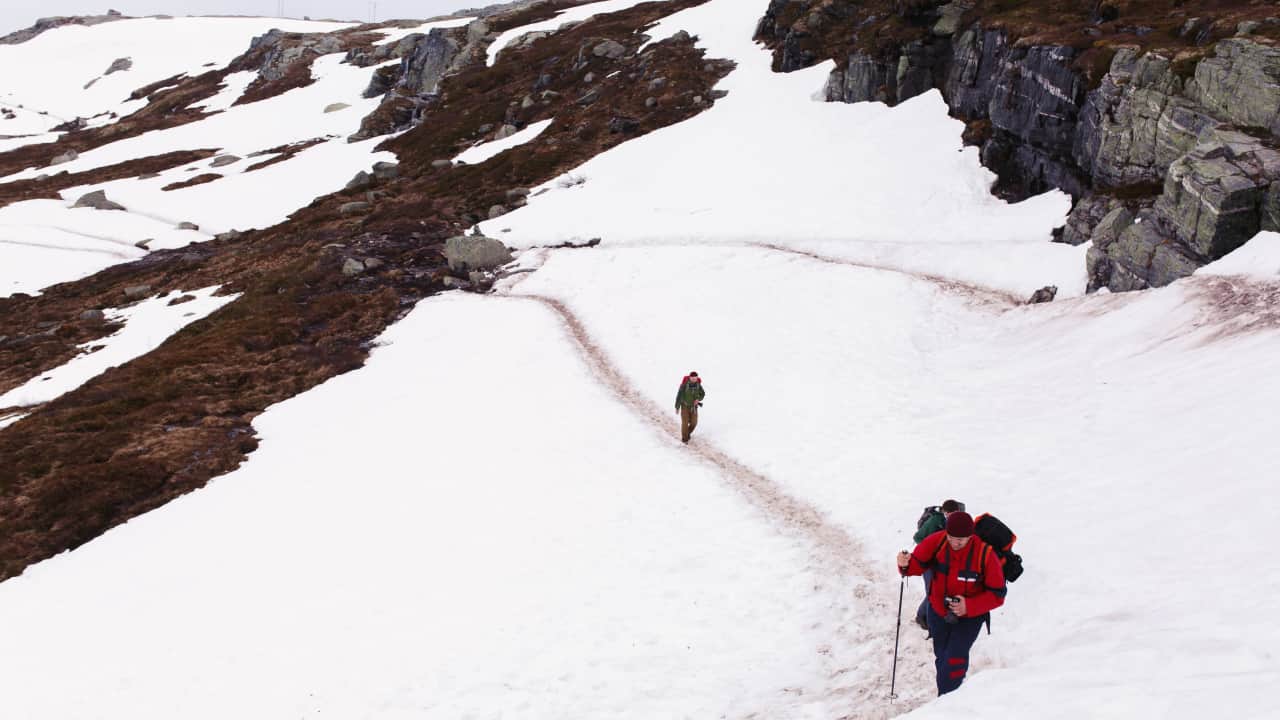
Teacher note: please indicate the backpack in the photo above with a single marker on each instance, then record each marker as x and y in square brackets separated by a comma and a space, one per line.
[928, 512]
[991, 531]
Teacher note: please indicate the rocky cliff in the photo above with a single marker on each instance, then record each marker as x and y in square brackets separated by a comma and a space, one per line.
[1161, 119]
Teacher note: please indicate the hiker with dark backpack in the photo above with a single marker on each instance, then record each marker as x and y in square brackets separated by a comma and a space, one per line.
[968, 583]
[933, 519]
[688, 400]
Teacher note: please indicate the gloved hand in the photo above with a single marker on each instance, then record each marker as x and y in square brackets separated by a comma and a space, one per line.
[699, 403]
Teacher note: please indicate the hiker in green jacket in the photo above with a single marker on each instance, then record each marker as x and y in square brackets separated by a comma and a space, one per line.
[933, 520]
[688, 400]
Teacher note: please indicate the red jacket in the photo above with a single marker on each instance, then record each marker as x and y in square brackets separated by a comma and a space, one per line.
[974, 573]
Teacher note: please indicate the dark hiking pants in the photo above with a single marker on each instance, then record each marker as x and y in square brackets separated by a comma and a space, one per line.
[951, 643]
[688, 421]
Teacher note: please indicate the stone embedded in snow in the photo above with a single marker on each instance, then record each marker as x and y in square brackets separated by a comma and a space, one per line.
[120, 65]
[1043, 295]
[144, 244]
[335, 107]
[188, 226]
[505, 132]
[98, 201]
[224, 160]
[497, 211]
[475, 252]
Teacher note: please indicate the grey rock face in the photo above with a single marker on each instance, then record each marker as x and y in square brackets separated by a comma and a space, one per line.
[949, 18]
[426, 66]
[98, 201]
[1214, 195]
[1084, 217]
[466, 253]
[1241, 84]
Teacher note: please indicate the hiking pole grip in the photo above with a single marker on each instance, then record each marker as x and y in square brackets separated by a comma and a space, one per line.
[897, 632]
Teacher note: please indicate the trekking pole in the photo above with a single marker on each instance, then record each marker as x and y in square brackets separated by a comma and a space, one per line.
[893, 681]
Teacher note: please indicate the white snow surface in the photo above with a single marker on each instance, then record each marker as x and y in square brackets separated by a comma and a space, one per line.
[573, 14]
[483, 151]
[58, 63]
[495, 517]
[767, 164]
[1258, 259]
[147, 324]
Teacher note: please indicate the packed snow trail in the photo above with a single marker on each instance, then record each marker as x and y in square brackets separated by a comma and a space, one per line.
[864, 624]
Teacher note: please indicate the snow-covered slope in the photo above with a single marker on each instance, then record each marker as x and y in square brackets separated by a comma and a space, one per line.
[494, 517]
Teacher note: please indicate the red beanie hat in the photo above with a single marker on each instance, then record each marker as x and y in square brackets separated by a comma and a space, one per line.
[959, 524]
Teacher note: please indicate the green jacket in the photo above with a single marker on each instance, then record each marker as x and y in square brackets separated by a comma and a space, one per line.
[935, 523]
[689, 394]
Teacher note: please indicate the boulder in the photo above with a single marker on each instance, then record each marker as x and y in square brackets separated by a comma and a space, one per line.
[496, 211]
[93, 316]
[352, 267]
[373, 263]
[188, 226]
[505, 132]
[609, 49]
[1241, 83]
[224, 160]
[1043, 295]
[229, 235]
[949, 17]
[386, 170]
[65, 157]
[144, 244]
[355, 208]
[98, 201]
[137, 292]
[441, 164]
[466, 253]
[361, 181]
[621, 124]
[335, 107]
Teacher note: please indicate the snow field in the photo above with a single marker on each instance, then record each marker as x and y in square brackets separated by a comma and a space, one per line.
[44, 242]
[1087, 425]
[147, 324]
[769, 164]
[59, 62]
[452, 534]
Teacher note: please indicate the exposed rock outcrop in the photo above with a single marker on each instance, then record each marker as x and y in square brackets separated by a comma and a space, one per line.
[1170, 155]
[49, 23]
[475, 252]
[98, 201]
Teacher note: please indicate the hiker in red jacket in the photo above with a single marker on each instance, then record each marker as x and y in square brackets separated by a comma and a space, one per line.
[968, 583]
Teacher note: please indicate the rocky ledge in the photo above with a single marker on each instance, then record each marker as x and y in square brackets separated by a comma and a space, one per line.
[1160, 119]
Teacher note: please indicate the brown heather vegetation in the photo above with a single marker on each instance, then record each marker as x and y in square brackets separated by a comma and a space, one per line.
[164, 424]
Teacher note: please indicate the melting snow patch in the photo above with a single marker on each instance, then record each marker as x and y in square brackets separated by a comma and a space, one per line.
[1258, 259]
[147, 325]
[484, 151]
[577, 14]
[233, 86]
[11, 419]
